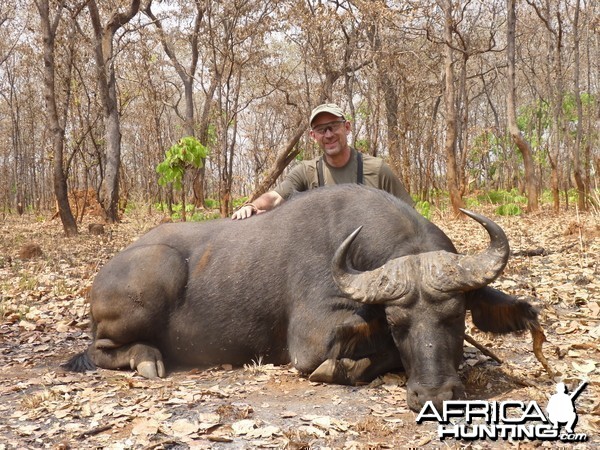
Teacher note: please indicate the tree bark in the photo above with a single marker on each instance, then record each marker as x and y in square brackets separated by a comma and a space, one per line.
[187, 79]
[49, 28]
[285, 156]
[290, 151]
[107, 85]
[450, 100]
[577, 166]
[519, 140]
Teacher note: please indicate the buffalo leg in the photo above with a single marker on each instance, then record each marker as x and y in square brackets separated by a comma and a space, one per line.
[352, 358]
[146, 359]
[351, 372]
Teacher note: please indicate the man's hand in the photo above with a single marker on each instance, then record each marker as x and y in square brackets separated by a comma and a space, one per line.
[264, 203]
[244, 212]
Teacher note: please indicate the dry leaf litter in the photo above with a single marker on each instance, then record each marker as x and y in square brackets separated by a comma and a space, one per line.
[44, 320]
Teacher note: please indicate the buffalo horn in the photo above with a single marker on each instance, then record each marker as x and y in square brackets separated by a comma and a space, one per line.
[441, 270]
[451, 272]
[374, 286]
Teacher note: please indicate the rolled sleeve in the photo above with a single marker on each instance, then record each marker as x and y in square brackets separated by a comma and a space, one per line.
[295, 181]
[392, 184]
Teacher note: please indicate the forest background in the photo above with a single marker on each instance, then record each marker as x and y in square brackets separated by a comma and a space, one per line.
[471, 99]
[480, 101]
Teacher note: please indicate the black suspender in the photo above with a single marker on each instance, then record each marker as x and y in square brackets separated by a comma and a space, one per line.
[359, 170]
[320, 172]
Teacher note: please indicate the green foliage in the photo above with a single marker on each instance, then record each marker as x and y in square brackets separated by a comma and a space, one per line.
[362, 145]
[195, 214]
[509, 209]
[501, 197]
[535, 119]
[509, 202]
[187, 153]
[571, 194]
[160, 206]
[188, 208]
[532, 117]
[424, 208]
[569, 106]
[212, 203]
[237, 202]
[472, 203]
[200, 216]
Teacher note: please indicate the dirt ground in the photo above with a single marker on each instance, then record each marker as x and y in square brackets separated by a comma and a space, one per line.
[44, 320]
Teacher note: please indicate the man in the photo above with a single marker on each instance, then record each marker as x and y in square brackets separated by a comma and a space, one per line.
[339, 164]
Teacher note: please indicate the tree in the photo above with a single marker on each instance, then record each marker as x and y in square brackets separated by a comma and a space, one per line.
[187, 153]
[107, 86]
[519, 140]
[451, 114]
[320, 30]
[243, 76]
[187, 75]
[49, 27]
[577, 166]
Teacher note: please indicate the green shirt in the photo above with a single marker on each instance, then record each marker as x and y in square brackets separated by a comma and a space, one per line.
[376, 174]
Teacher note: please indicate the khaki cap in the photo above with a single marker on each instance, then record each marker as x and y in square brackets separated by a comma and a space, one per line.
[330, 108]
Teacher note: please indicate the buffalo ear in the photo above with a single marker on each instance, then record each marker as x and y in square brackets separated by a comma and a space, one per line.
[496, 312]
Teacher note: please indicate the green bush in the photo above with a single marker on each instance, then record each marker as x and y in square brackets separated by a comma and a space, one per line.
[188, 152]
[501, 197]
[200, 216]
[237, 202]
[212, 203]
[509, 209]
[493, 197]
[424, 208]
[472, 203]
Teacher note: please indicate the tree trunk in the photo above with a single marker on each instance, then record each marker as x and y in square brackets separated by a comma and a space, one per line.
[187, 78]
[450, 100]
[577, 166]
[289, 152]
[58, 134]
[519, 140]
[285, 156]
[107, 85]
[204, 138]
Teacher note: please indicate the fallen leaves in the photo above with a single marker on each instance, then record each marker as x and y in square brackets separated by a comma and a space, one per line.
[45, 318]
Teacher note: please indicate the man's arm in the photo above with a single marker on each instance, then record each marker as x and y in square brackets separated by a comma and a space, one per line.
[389, 182]
[296, 180]
[265, 202]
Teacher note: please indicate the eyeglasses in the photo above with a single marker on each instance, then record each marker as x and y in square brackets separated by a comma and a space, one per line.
[333, 126]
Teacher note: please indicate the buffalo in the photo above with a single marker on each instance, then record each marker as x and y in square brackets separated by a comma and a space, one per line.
[345, 282]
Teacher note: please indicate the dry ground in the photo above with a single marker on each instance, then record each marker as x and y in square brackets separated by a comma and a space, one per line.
[44, 320]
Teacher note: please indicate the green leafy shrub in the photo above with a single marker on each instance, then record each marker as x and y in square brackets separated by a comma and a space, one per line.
[237, 202]
[472, 203]
[188, 152]
[212, 203]
[200, 216]
[494, 197]
[424, 208]
[501, 197]
[509, 209]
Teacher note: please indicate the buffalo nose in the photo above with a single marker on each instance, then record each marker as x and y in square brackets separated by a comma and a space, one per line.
[418, 394]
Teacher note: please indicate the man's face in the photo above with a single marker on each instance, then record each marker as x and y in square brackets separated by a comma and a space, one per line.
[331, 133]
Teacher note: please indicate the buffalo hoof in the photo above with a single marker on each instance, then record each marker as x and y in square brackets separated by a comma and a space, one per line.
[150, 369]
[340, 371]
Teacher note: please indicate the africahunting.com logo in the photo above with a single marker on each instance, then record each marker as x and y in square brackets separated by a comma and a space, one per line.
[514, 420]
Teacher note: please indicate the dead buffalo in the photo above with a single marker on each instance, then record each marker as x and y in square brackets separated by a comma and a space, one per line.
[346, 282]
